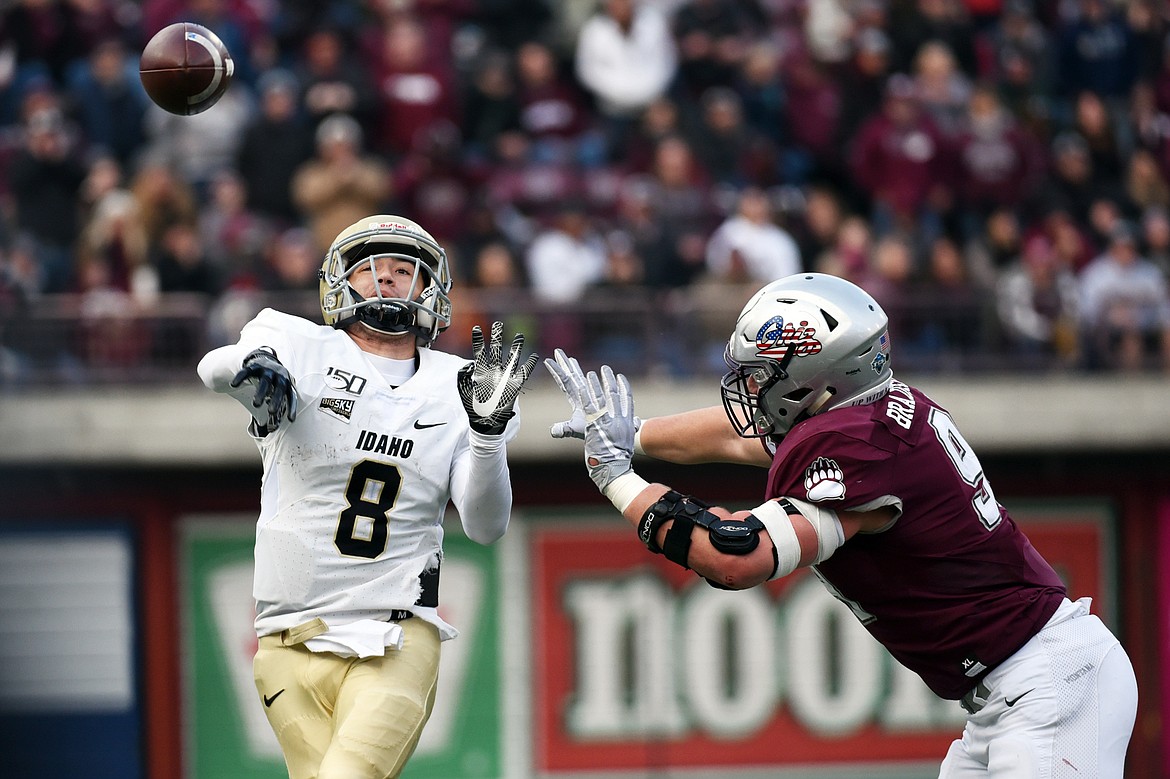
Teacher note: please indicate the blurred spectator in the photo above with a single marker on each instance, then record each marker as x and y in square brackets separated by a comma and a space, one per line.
[565, 259]
[44, 179]
[1150, 126]
[862, 83]
[660, 120]
[232, 236]
[1148, 24]
[951, 323]
[114, 239]
[901, 161]
[1162, 80]
[553, 112]
[822, 218]
[1104, 216]
[109, 335]
[636, 219]
[812, 113]
[1070, 242]
[749, 247]
[998, 165]
[616, 329]
[181, 263]
[340, 184]
[1023, 96]
[731, 151]
[1096, 52]
[888, 275]
[491, 108]
[679, 196]
[942, 89]
[625, 57]
[432, 185]
[1156, 237]
[1037, 299]
[915, 22]
[161, 199]
[293, 21]
[199, 146]
[1125, 306]
[291, 262]
[1091, 120]
[1145, 185]
[414, 88]
[274, 144]
[479, 230]
[995, 246]
[849, 254]
[760, 86]
[1019, 44]
[713, 36]
[510, 23]
[333, 81]
[1072, 183]
[827, 28]
[45, 39]
[110, 101]
[494, 284]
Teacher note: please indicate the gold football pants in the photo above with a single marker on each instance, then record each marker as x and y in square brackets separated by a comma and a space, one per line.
[348, 717]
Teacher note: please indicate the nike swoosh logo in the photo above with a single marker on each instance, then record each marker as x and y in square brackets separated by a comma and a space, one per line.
[1013, 701]
[268, 701]
[420, 426]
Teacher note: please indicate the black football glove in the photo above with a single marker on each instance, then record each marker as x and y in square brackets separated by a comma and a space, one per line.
[274, 386]
[488, 386]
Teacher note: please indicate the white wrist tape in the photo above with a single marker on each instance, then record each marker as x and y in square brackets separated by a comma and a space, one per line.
[622, 490]
[825, 524]
[638, 443]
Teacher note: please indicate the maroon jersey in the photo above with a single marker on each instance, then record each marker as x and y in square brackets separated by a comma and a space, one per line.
[952, 587]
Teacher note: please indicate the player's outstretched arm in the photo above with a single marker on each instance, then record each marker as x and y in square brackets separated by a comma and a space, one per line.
[256, 378]
[691, 437]
[703, 435]
[732, 551]
[481, 485]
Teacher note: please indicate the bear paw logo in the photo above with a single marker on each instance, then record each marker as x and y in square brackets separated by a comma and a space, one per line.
[823, 480]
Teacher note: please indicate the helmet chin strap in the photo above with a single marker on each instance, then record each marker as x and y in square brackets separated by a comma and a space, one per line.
[819, 403]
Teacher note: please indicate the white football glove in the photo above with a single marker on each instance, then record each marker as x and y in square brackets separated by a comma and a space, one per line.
[605, 406]
[488, 386]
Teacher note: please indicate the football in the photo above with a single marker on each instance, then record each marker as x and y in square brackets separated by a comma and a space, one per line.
[185, 68]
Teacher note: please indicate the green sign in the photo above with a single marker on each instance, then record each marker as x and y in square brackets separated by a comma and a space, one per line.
[227, 735]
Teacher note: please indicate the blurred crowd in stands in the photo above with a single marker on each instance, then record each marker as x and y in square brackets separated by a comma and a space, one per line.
[992, 171]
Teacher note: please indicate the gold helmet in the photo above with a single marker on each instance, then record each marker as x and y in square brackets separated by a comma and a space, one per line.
[426, 313]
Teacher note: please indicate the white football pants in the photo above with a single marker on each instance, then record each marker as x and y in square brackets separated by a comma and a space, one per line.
[1062, 707]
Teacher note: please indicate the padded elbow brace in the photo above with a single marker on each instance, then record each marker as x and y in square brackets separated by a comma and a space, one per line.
[729, 536]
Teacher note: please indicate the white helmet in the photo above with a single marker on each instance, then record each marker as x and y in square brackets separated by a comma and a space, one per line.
[425, 314]
[802, 345]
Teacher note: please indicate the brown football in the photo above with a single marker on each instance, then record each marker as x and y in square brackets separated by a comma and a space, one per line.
[185, 68]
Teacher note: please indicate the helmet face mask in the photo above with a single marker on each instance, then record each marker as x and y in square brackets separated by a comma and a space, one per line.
[803, 345]
[380, 239]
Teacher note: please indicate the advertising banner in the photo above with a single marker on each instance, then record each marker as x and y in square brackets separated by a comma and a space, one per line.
[643, 668]
[581, 655]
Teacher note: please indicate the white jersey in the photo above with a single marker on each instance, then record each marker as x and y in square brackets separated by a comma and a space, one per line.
[354, 490]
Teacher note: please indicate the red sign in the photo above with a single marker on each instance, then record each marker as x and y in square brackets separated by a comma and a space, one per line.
[641, 666]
